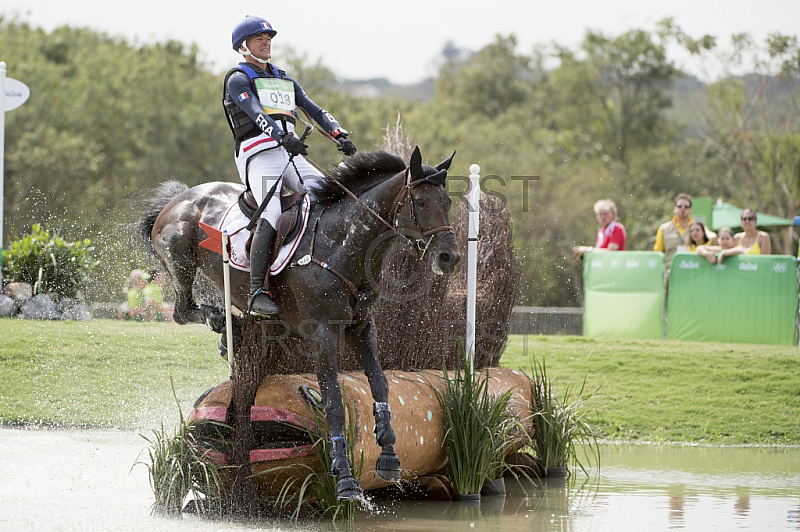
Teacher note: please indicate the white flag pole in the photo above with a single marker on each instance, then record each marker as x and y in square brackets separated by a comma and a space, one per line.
[472, 260]
[2, 158]
[226, 276]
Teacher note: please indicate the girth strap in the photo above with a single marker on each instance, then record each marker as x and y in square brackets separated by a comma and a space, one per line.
[360, 296]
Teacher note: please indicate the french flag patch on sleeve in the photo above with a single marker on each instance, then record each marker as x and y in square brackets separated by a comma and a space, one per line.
[243, 96]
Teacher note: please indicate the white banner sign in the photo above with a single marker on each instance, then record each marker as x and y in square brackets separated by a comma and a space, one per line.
[17, 93]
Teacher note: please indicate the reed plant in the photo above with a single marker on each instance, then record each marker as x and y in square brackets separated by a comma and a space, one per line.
[180, 468]
[479, 430]
[311, 486]
[560, 424]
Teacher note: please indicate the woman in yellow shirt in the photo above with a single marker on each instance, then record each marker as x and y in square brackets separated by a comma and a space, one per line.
[753, 241]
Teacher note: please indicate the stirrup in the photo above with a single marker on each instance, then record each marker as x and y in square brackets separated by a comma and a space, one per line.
[270, 312]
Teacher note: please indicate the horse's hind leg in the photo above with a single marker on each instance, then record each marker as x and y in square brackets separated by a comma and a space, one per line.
[365, 342]
[179, 259]
[347, 487]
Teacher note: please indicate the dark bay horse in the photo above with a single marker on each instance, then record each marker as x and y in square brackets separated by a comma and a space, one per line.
[333, 279]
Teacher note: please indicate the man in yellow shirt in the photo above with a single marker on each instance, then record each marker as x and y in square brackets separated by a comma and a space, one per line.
[672, 234]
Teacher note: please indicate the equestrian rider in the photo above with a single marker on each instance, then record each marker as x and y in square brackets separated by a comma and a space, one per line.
[260, 102]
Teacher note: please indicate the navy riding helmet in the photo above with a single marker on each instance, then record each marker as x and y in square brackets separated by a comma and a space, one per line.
[248, 27]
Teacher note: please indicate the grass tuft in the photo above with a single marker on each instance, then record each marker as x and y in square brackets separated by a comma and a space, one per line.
[479, 430]
[560, 424]
[179, 468]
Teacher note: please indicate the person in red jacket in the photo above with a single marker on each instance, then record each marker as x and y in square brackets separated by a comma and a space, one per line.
[611, 236]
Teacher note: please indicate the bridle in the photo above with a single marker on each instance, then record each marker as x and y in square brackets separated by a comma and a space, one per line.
[405, 196]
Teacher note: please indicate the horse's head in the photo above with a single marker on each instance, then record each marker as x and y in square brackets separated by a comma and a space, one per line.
[429, 206]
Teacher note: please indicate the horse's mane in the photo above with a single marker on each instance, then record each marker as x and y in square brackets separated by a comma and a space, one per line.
[358, 173]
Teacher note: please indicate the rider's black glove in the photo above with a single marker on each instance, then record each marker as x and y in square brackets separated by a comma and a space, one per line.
[346, 146]
[293, 145]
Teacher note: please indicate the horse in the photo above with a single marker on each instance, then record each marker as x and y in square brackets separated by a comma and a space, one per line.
[357, 212]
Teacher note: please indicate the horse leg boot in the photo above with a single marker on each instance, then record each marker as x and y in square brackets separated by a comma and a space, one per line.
[388, 465]
[260, 304]
[347, 487]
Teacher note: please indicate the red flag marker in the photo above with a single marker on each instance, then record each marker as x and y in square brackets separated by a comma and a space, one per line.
[214, 240]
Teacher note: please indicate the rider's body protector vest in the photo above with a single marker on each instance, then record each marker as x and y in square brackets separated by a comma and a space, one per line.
[275, 93]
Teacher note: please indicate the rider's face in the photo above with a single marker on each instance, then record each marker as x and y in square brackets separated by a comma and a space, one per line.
[260, 45]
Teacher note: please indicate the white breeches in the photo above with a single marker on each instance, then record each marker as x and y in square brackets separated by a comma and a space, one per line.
[265, 168]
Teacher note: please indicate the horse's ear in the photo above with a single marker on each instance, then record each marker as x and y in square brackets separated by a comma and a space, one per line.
[445, 165]
[416, 164]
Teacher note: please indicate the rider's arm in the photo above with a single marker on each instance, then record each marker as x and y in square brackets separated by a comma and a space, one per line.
[317, 113]
[241, 93]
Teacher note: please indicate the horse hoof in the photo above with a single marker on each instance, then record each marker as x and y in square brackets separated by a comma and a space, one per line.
[347, 489]
[388, 467]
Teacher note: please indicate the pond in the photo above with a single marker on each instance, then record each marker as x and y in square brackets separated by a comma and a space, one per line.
[85, 480]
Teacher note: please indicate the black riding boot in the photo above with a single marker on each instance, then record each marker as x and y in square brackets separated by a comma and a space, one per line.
[260, 304]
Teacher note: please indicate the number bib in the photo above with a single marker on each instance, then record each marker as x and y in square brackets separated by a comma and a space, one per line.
[276, 95]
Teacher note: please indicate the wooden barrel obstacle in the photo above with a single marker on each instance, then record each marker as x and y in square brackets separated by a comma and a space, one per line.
[281, 419]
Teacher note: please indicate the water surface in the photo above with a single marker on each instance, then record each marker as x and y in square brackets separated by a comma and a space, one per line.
[86, 480]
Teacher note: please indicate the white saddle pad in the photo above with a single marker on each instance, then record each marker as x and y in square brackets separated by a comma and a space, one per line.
[235, 223]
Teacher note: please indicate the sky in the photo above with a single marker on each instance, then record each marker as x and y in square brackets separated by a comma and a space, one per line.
[401, 41]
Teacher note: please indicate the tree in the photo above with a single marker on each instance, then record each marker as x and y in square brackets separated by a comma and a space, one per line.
[618, 90]
[487, 83]
[106, 121]
[753, 121]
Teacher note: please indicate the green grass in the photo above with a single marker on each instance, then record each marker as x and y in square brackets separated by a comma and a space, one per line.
[675, 391]
[109, 373]
[104, 373]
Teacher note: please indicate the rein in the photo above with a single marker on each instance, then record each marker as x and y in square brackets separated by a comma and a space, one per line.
[398, 202]
[367, 207]
[362, 296]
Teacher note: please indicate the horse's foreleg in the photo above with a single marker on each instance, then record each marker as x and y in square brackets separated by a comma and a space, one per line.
[180, 261]
[215, 319]
[347, 486]
[366, 347]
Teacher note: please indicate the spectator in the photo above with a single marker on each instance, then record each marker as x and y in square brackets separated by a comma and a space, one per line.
[144, 297]
[135, 306]
[154, 298]
[753, 241]
[672, 234]
[611, 236]
[727, 247]
[698, 235]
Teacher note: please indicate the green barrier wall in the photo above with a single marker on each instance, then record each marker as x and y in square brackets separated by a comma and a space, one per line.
[623, 294]
[747, 299]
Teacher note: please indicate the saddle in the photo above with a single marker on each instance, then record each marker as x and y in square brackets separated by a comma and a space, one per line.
[289, 223]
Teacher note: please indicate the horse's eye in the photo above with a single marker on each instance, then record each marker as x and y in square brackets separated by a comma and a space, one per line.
[419, 202]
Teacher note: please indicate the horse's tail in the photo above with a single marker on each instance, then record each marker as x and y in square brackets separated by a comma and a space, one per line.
[153, 205]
